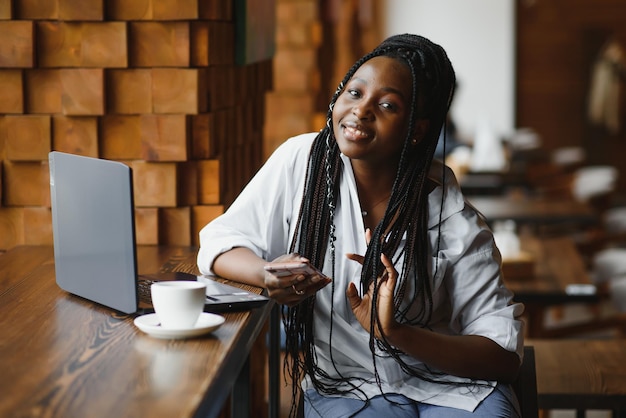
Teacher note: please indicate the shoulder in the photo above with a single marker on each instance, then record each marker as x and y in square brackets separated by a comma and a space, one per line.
[443, 182]
[290, 156]
[299, 144]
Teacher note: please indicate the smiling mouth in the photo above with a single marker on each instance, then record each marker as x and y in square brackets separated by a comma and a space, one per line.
[355, 133]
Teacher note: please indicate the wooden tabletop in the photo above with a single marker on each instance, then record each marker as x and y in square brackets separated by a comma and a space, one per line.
[491, 183]
[558, 269]
[63, 356]
[581, 374]
[533, 210]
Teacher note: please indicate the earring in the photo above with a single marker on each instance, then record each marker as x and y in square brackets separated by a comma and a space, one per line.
[414, 141]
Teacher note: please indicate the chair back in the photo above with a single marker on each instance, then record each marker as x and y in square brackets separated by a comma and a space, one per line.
[525, 385]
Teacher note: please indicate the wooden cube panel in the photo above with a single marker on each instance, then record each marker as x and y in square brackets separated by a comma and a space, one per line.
[37, 226]
[200, 216]
[159, 44]
[37, 9]
[17, 44]
[153, 9]
[82, 44]
[298, 67]
[224, 129]
[75, 135]
[199, 42]
[129, 91]
[26, 184]
[212, 43]
[221, 85]
[120, 137]
[82, 91]
[188, 184]
[43, 91]
[104, 44]
[216, 9]
[175, 226]
[81, 9]
[221, 43]
[178, 90]
[175, 9]
[11, 227]
[155, 184]
[11, 87]
[209, 182]
[27, 137]
[6, 9]
[129, 10]
[147, 226]
[164, 137]
[151, 83]
[203, 137]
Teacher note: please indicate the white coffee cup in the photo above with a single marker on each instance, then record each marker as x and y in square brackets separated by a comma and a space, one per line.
[178, 304]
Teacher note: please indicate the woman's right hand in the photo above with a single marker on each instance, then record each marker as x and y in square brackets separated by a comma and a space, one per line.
[292, 289]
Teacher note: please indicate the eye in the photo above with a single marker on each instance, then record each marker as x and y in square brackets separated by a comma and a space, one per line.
[391, 106]
[353, 92]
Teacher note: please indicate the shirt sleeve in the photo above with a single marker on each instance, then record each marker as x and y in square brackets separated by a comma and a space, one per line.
[260, 218]
[480, 302]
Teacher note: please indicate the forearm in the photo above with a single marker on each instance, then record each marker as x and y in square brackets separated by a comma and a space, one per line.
[469, 356]
[242, 265]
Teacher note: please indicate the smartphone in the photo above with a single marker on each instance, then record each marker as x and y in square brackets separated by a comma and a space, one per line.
[290, 268]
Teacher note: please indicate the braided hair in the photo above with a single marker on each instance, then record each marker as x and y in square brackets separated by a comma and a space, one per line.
[433, 82]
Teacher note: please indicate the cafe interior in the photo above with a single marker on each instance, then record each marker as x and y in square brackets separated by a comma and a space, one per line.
[194, 95]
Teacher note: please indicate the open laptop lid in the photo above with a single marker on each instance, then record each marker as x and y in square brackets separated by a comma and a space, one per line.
[93, 229]
[94, 239]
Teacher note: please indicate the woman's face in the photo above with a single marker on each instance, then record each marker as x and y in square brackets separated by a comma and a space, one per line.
[371, 115]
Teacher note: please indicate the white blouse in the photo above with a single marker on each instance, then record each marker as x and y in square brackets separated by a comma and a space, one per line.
[468, 294]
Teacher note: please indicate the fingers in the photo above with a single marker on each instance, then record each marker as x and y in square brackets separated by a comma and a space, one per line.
[391, 274]
[292, 290]
[353, 296]
[355, 257]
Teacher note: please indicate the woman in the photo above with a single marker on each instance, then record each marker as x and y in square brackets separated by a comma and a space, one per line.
[414, 320]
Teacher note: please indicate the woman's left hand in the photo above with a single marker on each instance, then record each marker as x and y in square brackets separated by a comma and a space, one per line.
[362, 307]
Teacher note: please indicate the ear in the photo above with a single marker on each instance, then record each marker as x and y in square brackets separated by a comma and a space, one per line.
[421, 127]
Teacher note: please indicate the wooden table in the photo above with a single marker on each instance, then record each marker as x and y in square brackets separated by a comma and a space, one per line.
[533, 210]
[557, 266]
[62, 356]
[491, 183]
[581, 374]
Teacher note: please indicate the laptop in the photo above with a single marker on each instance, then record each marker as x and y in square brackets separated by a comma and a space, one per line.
[93, 227]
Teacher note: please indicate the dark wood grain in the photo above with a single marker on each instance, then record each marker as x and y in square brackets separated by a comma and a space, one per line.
[581, 373]
[63, 356]
[557, 264]
[533, 210]
[21, 262]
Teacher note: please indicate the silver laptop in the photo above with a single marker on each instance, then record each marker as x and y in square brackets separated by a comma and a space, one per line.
[94, 239]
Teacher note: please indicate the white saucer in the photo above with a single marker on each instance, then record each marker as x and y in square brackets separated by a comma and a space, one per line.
[207, 322]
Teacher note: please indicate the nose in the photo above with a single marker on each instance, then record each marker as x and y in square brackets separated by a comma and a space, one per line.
[362, 111]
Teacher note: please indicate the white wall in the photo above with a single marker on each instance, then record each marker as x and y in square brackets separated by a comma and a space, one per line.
[479, 37]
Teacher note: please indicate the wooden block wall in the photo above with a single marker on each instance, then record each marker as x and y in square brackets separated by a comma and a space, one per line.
[291, 104]
[150, 83]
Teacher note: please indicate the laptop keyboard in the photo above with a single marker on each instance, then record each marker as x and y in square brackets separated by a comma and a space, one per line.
[143, 290]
